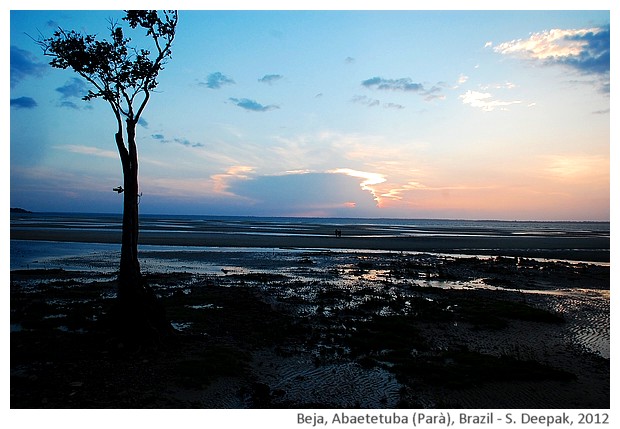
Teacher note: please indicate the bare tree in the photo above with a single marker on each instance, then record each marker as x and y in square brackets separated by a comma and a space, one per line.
[123, 76]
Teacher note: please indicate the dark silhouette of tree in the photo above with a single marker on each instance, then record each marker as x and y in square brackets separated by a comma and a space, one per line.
[124, 76]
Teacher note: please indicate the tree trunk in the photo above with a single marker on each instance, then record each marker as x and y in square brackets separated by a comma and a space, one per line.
[129, 274]
[139, 316]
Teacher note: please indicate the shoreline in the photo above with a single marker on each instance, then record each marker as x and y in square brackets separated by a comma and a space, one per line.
[582, 249]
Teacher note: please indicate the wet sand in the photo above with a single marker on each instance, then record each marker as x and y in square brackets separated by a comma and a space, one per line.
[381, 317]
[552, 247]
[321, 329]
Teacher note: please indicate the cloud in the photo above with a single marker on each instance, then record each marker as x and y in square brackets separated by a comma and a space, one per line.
[217, 80]
[340, 192]
[23, 103]
[371, 102]
[485, 101]
[595, 55]
[143, 123]
[369, 178]
[24, 64]
[182, 141]
[52, 189]
[69, 105]
[252, 105]
[304, 194]
[433, 93]
[185, 142]
[505, 85]
[366, 101]
[73, 88]
[88, 150]
[585, 50]
[270, 78]
[393, 106]
[221, 182]
[405, 85]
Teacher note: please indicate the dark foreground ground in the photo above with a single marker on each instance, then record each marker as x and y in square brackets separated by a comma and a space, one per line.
[368, 331]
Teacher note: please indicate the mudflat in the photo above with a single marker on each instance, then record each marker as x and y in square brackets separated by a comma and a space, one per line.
[320, 328]
[569, 246]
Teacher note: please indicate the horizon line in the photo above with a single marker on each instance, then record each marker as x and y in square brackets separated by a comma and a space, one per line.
[26, 211]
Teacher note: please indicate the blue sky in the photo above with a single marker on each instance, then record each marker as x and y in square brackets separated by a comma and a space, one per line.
[419, 114]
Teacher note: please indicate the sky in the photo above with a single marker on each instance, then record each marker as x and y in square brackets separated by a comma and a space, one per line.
[459, 114]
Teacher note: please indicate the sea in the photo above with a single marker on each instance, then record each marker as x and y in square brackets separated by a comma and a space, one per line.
[280, 225]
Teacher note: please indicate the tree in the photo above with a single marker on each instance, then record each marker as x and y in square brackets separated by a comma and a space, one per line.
[123, 76]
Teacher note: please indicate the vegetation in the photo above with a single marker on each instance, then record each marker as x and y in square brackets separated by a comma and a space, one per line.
[124, 76]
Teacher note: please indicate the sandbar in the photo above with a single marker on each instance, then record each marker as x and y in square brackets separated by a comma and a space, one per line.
[576, 248]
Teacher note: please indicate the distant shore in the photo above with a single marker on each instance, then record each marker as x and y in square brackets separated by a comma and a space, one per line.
[587, 249]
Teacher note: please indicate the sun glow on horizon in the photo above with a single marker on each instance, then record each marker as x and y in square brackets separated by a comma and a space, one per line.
[332, 113]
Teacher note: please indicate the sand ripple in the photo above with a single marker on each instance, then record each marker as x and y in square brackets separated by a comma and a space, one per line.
[339, 385]
[588, 315]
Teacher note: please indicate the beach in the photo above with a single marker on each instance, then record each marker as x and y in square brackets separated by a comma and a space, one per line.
[287, 314]
[578, 241]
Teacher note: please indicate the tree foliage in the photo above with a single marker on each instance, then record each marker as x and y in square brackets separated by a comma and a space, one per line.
[118, 72]
[124, 76]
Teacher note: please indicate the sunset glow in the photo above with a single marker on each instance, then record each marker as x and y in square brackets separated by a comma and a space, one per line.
[332, 113]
